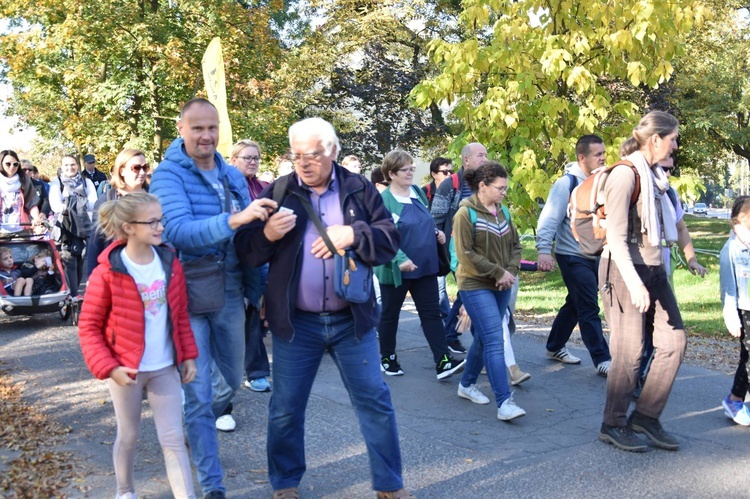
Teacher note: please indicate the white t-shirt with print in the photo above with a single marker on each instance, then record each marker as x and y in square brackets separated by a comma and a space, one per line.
[151, 282]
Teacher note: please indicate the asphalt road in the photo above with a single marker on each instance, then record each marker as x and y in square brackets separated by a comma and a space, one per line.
[451, 448]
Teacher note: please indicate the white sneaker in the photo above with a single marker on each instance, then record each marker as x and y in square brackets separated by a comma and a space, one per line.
[226, 423]
[509, 410]
[472, 393]
[564, 356]
[603, 368]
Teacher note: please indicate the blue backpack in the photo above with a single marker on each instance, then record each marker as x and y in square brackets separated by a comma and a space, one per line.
[473, 218]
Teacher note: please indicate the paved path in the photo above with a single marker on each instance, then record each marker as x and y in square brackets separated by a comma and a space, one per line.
[451, 448]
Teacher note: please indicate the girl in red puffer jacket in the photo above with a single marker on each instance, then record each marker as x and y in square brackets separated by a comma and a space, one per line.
[135, 332]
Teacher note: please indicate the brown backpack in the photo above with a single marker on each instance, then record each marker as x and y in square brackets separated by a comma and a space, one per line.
[587, 212]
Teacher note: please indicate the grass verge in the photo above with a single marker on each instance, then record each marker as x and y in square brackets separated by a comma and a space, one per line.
[542, 293]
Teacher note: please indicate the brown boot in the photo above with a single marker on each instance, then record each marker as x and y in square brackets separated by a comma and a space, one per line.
[290, 493]
[396, 494]
[517, 376]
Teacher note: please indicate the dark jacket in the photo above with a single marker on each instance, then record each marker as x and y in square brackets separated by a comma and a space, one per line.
[98, 241]
[96, 178]
[376, 241]
[41, 191]
[445, 203]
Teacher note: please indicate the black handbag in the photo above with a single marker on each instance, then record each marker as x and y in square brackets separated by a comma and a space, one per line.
[444, 261]
[204, 276]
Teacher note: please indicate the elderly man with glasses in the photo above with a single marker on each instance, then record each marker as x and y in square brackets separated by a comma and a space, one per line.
[309, 319]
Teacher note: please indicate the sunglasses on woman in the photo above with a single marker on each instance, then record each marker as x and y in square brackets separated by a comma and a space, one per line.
[14, 164]
[140, 168]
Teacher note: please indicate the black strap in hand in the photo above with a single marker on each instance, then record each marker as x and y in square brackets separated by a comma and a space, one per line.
[319, 225]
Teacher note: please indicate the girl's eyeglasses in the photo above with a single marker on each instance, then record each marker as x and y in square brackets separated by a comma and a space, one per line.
[14, 164]
[154, 224]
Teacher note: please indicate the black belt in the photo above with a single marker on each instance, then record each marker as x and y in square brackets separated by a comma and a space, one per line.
[324, 314]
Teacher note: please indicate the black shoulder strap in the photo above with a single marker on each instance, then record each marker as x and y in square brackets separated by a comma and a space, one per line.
[227, 194]
[279, 189]
[318, 224]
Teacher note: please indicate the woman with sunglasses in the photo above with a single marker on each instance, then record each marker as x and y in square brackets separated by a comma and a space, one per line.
[440, 170]
[129, 174]
[19, 202]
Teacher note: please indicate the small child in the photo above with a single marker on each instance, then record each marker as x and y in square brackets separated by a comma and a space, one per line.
[734, 276]
[139, 283]
[42, 272]
[10, 276]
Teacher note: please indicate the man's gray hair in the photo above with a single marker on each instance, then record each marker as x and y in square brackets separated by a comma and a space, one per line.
[318, 128]
[466, 150]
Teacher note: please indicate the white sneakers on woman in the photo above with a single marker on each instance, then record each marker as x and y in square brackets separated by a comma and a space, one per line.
[509, 410]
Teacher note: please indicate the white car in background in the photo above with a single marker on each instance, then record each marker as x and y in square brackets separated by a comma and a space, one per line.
[700, 209]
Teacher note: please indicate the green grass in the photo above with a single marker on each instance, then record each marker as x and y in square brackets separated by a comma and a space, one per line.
[542, 293]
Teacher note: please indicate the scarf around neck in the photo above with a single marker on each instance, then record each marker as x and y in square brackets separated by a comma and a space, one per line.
[10, 184]
[255, 186]
[658, 217]
[11, 203]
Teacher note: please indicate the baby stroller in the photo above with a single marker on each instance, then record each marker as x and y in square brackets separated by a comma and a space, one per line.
[52, 293]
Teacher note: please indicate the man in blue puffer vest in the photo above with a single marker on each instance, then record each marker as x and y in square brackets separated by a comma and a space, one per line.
[192, 184]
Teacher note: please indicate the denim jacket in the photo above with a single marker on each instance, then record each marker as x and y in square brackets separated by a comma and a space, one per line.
[734, 278]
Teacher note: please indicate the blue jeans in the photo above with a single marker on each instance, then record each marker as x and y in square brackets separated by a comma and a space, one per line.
[451, 321]
[221, 333]
[486, 308]
[581, 307]
[295, 365]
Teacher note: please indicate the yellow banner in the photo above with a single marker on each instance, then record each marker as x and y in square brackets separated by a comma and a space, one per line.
[213, 76]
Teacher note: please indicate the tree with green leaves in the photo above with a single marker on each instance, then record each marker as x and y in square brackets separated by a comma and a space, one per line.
[356, 66]
[712, 92]
[529, 78]
[102, 75]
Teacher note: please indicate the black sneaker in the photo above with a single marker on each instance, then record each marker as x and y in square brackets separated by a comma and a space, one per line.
[456, 347]
[621, 437]
[448, 366]
[651, 427]
[390, 366]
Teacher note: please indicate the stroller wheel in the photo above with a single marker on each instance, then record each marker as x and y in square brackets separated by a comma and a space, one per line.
[75, 312]
[65, 311]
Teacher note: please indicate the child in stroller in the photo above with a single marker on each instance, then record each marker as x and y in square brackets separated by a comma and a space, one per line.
[11, 276]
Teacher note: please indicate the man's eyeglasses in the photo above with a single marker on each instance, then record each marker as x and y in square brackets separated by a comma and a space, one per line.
[154, 224]
[410, 169]
[28, 170]
[14, 164]
[667, 168]
[140, 168]
[250, 159]
[310, 156]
